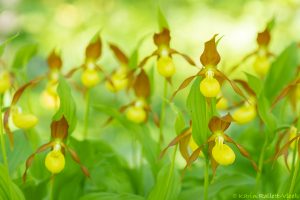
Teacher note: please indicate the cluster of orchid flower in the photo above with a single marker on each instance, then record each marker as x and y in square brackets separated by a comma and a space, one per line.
[135, 78]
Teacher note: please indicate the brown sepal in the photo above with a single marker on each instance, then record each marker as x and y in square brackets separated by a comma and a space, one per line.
[141, 85]
[220, 124]
[122, 58]
[263, 38]
[94, 49]
[54, 61]
[210, 55]
[59, 129]
[162, 38]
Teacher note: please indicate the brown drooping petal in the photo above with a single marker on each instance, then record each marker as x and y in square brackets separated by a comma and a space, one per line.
[285, 147]
[183, 85]
[232, 83]
[20, 91]
[241, 62]
[186, 82]
[186, 57]
[122, 58]
[285, 92]
[220, 124]
[162, 38]
[245, 85]
[183, 147]
[59, 129]
[72, 71]
[214, 163]
[15, 100]
[143, 62]
[31, 157]
[141, 85]
[185, 133]
[121, 110]
[76, 158]
[210, 55]
[94, 49]
[263, 38]
[7, 129]
[193, 157]
[54, 61]
[242, 150]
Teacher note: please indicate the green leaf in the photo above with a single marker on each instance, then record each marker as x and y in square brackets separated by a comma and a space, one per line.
[142, 133]
[283, 71]
[162, 21]
[265, 113]
[23, 56]
[111, 196]
[167, 186]
[8, 189]
[254, 83]
[133, 59]
[3, 45]
[197, 107]
[67, 106]
[21, 150]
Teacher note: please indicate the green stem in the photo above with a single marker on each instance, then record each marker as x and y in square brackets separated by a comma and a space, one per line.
[261, 162]
[171, 171]
[51, 187]
[295, 174]
[3, 146]
[206, 179]
[163, 113]
[87, 112]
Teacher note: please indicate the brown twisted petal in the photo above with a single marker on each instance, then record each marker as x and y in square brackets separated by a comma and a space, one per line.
[242, 150]
[185, 133]
[31, 157]
[76, 158]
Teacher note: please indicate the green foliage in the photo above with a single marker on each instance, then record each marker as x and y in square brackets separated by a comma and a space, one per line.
[3, 44]
[162, 21]
[196, 104]
[67, 105]
[8, 189]
[111, 196]
[24, 55]
[282, 72]
[167, 186]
